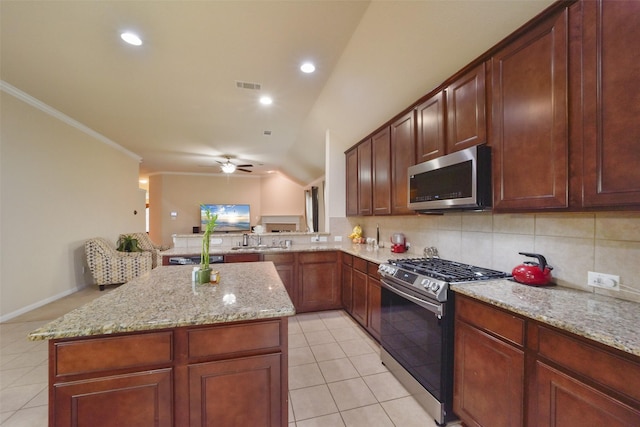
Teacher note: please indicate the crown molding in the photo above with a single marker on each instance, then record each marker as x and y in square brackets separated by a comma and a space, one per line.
[36, 103]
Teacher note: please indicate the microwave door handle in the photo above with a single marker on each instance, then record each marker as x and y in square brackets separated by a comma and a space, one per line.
[434, 308]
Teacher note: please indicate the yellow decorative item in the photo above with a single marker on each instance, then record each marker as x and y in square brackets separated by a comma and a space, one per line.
[356, 236]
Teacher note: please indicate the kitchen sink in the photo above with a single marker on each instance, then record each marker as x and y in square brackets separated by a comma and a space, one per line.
[257, 248]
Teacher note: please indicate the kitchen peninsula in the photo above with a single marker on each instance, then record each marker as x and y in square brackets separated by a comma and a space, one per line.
[162, 351]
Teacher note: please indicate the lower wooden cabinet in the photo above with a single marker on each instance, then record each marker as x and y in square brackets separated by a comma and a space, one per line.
[239, 392]
[347, 282]
[286, 265]
[319, 286]
[135, 399]
[488, 379]
[365, 304]
[569, 381]
[232, 374]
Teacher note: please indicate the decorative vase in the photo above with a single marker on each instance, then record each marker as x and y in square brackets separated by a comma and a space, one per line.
[203, 276]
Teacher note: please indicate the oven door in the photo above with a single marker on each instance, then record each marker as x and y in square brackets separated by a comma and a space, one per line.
[418, 335]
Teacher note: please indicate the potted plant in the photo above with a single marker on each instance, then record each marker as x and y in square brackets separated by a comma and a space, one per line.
[203, 275]
[127, 243]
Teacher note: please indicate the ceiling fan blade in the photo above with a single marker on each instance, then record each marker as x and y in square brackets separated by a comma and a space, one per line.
[243, 170]
[244, 166]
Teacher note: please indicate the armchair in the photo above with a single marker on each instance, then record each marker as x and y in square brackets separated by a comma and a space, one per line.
[109, 266]
[145, 243]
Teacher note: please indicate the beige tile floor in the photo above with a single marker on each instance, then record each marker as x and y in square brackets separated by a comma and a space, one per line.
[335, 374]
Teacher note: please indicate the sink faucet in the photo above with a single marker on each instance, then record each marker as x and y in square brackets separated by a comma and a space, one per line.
[258, 238]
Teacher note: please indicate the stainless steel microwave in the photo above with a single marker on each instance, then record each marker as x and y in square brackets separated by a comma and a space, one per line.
[460, 180]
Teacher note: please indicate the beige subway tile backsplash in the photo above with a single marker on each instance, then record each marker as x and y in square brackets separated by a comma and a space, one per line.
[573, 243]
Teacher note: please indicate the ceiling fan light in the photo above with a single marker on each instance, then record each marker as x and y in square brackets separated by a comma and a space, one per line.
[228, 167]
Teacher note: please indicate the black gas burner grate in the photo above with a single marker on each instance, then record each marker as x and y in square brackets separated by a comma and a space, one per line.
[447, 271]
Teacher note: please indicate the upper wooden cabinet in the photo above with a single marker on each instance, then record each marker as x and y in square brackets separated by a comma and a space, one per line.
[529, 118]
[607, 104]
[403, 155]
[381, 174]
[466, 118]
[365, 178]
[431, 128]
[351, 158]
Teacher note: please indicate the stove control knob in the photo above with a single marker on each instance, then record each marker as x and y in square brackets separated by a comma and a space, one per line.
[435, 287]
[426, 283]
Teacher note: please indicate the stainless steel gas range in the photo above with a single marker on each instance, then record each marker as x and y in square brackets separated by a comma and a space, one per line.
[417, 326]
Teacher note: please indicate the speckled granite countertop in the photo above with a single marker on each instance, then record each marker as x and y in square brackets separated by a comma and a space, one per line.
[166, 298]
[607, 320]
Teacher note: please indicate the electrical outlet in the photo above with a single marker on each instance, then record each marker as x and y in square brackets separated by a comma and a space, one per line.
[323, 238]
[408, 245]
[337, 238]
[315, 239]
[602, 280]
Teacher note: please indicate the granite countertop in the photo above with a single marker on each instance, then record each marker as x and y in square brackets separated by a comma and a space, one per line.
[166, 298]
[610, 321]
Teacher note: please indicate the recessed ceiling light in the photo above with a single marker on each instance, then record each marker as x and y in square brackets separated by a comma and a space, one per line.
[266, 100]
[131, 38]
[307, 67]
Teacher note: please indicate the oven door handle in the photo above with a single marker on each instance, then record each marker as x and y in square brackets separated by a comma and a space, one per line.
[437, 309]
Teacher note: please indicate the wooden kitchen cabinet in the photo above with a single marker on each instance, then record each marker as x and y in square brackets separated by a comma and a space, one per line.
[359, 291]
[231, 373]
[365, 178]
[403, 155]
[529, 118]
[244, 257]
[381, 172]
[286, 266]
[489, 366]
[570, 381]
[466, 111]
[347, 282]
[374, 300]
[319, 285]
[606, 104]
[351, 158]
[431, 138]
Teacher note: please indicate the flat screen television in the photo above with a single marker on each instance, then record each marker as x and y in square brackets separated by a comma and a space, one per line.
[230, 217]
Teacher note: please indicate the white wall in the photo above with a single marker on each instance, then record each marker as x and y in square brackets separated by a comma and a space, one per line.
[58, 187]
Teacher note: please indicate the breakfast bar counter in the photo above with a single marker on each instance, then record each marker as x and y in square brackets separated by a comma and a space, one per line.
[163, 351]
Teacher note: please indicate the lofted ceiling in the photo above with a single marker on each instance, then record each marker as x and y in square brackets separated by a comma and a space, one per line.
[175, 101]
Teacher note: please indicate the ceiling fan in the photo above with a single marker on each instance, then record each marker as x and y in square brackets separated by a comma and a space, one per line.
[229, 167]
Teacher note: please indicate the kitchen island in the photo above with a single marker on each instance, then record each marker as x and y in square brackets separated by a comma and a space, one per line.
[162, 351]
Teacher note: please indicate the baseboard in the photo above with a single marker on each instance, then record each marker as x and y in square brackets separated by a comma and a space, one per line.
[38, 304]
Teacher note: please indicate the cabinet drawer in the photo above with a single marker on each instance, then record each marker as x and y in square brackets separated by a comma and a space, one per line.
[347, 259]
[105, 354]
[279, 258]
[492, 320]
[204, 342]
[360, 264]
[319, 256]
[601, 366]
[229, 258]
[372, 269]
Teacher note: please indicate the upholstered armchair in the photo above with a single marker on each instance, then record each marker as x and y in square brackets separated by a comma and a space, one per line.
[109, 266]
[145, 243]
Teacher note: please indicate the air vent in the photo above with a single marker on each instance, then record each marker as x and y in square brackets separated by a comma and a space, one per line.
[247, 85]
[267, 132]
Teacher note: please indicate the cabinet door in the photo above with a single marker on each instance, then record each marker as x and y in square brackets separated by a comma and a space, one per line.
[359, 291]
[139, 399]
[431, 128]
[318, 281]
[365, 179]
[286, 267]
[238, 392]
[403, 155]
[611, 129]
[529, 119]
[374, 306]
[381, 161]
[351, 158]
[347, 277]
[488, 379]
[466, 118]
[563, 401]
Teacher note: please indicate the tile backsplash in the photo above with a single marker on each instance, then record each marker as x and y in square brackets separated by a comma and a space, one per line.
[573, 243]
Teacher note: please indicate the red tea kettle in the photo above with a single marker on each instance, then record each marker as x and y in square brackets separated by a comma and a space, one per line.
[532, 273]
